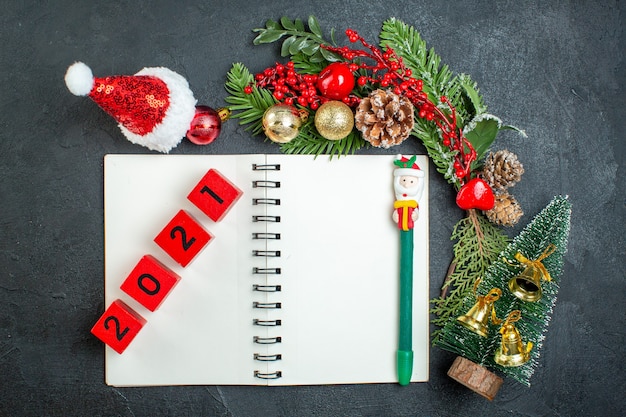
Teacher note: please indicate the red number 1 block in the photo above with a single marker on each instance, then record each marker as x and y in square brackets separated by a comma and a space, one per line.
[118, 326]
[214, 195]
[150, 282]
[183, 238]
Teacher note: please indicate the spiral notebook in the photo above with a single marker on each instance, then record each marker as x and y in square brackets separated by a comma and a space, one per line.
[307, 296]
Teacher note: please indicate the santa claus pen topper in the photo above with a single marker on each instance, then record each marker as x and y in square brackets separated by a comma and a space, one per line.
[408, 184]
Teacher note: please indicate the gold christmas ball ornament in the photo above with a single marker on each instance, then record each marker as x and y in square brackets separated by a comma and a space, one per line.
[281, 123]
[334, 120]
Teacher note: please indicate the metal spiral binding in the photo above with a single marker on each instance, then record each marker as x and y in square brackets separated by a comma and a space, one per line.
[267, 323]
[270, 375]
[257, 304]
[267, 340]
[273, 271]
[266, 288]
[267, 167]
[266, 236]
[271, 219]
[268, 201]
[266, 253]
[265, 184]
[267, 358]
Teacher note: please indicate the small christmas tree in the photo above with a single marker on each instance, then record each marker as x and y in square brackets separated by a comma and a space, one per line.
[530, 267]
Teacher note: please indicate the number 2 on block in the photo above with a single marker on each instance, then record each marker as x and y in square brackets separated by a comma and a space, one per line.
[178, 230]
[118, 326]
[183, 238]
[119, 334]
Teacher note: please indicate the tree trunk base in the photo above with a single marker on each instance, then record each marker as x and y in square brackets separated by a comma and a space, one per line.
[475, 377]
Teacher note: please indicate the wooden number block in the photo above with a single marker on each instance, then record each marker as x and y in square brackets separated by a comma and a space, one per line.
[214, 195]
[118, 326]
[183, 238]
[150, 282]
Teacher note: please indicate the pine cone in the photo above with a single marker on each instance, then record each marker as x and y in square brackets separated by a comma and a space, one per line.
[502, 170]
[384, 118]
[506, 210]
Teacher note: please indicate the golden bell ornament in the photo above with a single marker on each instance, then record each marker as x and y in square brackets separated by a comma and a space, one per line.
[334, 120]
[512, 351]
[281, 123]
[527, 285]
[477, 318]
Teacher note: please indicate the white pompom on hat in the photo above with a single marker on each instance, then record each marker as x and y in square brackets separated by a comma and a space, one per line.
[79, 79]
[154, 108]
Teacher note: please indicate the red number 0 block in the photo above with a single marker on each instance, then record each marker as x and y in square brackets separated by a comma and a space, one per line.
[183, 238]
[214, 195]
[118, 326]
[150, 282]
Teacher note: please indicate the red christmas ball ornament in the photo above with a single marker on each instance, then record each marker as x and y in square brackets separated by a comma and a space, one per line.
[206, 125]
[336, 81]
[475, 194]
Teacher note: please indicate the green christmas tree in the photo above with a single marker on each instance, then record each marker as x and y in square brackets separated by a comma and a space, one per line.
[539, 248]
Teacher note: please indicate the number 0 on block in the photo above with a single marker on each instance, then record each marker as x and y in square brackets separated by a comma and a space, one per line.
[150, 282]
[183, 238]
[118, 326]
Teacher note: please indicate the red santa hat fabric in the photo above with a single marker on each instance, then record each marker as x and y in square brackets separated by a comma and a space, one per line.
[154, 108]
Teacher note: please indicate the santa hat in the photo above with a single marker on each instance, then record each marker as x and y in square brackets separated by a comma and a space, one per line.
[407, 166]
[153, 108]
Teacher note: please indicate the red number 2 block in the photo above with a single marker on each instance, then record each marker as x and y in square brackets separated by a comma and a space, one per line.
[214, 195]
[183, 238]
[150, 282]
[118, 326]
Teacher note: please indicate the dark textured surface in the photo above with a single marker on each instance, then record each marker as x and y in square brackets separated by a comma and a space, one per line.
[554, 69]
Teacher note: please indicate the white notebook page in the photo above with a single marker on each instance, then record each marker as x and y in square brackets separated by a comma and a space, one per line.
[339, 272]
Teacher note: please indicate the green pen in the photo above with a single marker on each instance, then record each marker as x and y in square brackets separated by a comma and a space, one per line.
[404, 357]
[408, 186]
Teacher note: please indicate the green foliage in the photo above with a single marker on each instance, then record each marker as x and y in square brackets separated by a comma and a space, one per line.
[551, 226]
[478, 243]
[249, 109]
[438, 80]
[311, 143]
[482, 132]
[425, 64]
[296, 39]
[460, 90]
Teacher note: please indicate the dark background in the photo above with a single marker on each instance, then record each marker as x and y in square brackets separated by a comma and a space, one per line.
[553, 68]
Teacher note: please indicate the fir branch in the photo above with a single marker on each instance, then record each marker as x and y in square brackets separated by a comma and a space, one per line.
[248, 108]
[438, 79]
[478, 244]
[442, 157]
[310, 142]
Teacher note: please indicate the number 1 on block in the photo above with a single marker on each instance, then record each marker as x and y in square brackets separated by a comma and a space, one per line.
[215, 195]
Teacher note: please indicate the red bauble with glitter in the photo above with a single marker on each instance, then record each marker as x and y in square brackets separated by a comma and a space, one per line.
[336, 81]
[205, 126]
